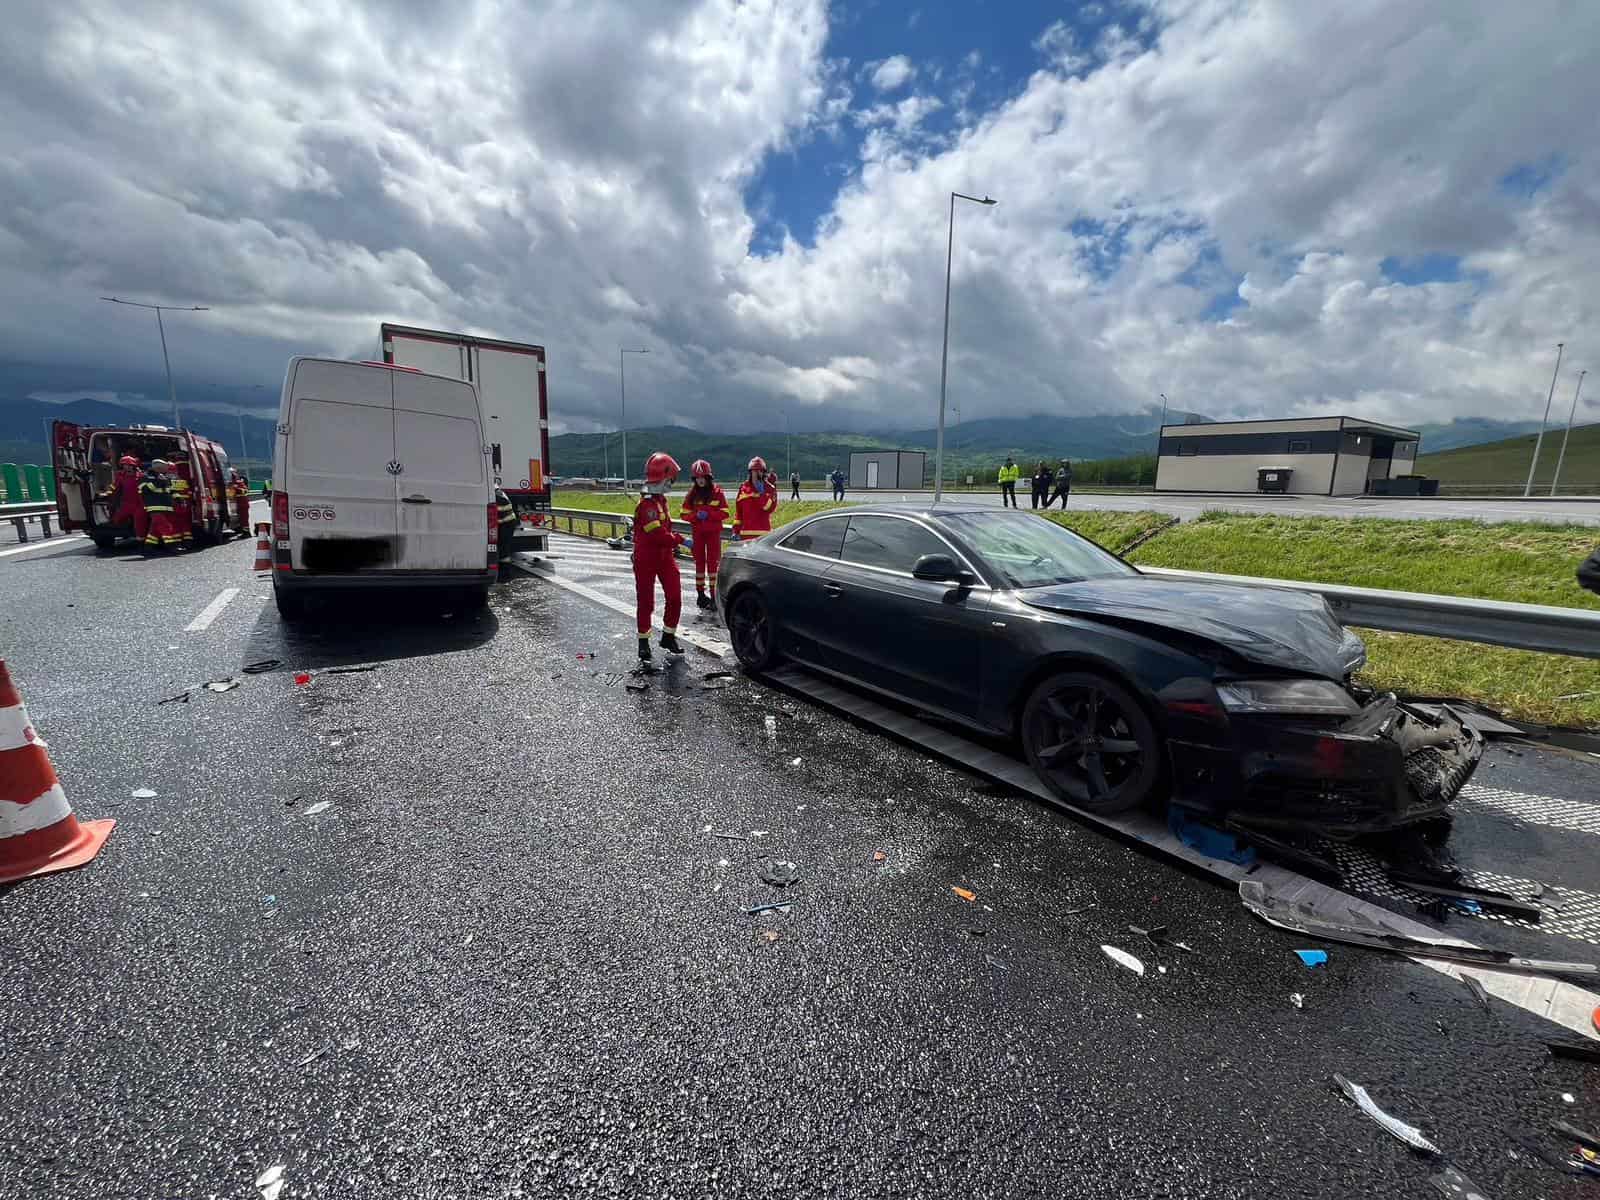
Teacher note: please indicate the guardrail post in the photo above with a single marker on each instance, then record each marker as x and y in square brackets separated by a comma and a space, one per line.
[22, 528]
[44, 520]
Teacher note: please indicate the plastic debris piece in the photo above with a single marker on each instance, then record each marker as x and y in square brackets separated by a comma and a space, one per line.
[1466, 906]
[1409, 1134]
[1576, 1134]
[1160, 968]
[1313, 958]
[795, 762]
[143, 794]
[302, 679]
[270, 1182]
[1296, 999]
[771, 724]
[759, 833]
[716, 681]
[318, 807]
[260, 665]
[1550, 1160]
[312, 1057]
[769, 936]
[729, 837]
[879, 856]
[1568, 1098]
[968, 896]
[780, 874]
[467, 941]
[221, 685]
[1123, 959]
[1455, 1185]
[1584, 1051]
[995, 962]
[779, 906]
[1477, 992]
[352, 670]
[180, 698]
[637, 685]
[1072, 912]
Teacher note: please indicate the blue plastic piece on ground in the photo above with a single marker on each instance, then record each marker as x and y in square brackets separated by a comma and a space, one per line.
[1313, 958]
[1208, 839]
[1466, 906]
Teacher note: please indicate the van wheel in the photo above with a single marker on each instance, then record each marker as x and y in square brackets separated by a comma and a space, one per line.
[104, 542]
[290, 606]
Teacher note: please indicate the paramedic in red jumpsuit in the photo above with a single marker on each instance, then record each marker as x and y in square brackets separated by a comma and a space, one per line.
[655, 546]
[705, 508]
[756, 502]
[129, 507]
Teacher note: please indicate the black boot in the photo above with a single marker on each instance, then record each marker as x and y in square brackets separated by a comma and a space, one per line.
[701, 600]
[644, 648]
[669, 643]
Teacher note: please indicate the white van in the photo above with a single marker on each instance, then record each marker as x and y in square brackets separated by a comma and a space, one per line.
[380, 478]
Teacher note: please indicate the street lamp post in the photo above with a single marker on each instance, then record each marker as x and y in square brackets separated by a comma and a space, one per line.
[1527, 489]
[622, 371]
[944, 355]
[788, 446]
[1572, 412]
[172, 392]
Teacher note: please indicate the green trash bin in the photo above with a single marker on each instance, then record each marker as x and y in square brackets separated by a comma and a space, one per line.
[11, 483]
[33, 481]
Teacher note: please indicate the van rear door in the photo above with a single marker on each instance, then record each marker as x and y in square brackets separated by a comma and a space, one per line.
[69, 452]
[443, 484]
[338, 475]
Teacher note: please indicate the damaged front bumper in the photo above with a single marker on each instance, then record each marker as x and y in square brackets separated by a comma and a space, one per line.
[1386, 767]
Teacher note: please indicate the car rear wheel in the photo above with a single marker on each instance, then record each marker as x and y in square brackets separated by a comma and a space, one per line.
[752, 632]
[1091, 742]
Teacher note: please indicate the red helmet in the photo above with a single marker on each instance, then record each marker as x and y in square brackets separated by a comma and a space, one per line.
[660, 467]
[701, 467]
[758, 464]
[127, 460]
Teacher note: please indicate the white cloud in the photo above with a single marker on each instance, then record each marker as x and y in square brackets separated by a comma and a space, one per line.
[891, 73]
[582, 182]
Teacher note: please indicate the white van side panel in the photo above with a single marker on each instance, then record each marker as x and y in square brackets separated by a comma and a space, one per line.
[508, 384]
[444, 485]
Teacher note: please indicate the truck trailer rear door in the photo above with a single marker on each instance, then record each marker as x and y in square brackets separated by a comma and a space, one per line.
[69, 451]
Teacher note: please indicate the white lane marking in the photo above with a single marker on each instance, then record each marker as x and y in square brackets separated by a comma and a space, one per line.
[55, 543]
[211, 611]
[539, 570]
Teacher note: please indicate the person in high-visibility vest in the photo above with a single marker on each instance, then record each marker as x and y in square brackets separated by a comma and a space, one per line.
[156, 492]
[182, 504]
[506, 520]
[1009, 474]
[705, 507]
[239, 498]
[655, 546]
[756, 502]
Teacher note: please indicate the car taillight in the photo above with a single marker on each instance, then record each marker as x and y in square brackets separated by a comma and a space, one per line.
[280, 515]
[494, 524]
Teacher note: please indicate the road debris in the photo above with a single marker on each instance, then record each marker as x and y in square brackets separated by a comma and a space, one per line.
[771, 724]
[995, 962]
[878, 856]
[964, 893]
[780, 874]
[180, 698]
[261, 665]
[221, 685]
[1585, 1051]
[769, 936]
[1568, 1098]
[1452, 1182]
[716, 680]
[1123, 959]
[1555, 1163]
[270, 1182]
[351, 670]
[1296, 999]
[1477, 992]
[777, 906]
[319, 807]
[1156, 935]
[1072, 912]
[143, 794]
[637, 685]
[795, 762]
[728, 837]
[302, 679]
[1409, 1134]
[312, 1057]
[1578, 1135]
[1313, 958]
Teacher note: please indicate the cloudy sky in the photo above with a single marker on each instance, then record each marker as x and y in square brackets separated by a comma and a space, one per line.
[1369, 207]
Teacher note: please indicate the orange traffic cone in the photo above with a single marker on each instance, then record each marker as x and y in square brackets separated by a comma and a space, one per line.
[38, 833]
[263, 550]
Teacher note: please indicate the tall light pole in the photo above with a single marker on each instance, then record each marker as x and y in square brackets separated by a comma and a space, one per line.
[1572, 412]
[944, 355]
[172, 392]
[788, 446]
[622, 371]
[1527, 489]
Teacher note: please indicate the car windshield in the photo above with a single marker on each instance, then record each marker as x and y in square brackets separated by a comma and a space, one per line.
[1027, 551]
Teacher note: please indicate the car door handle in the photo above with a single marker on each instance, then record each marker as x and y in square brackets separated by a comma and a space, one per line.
[415, 500]
[833, 589]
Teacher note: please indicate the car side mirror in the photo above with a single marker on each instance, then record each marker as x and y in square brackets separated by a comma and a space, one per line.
[941, 568]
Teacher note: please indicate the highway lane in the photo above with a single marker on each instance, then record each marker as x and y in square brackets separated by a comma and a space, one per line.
[1566, 512]
[511, 953]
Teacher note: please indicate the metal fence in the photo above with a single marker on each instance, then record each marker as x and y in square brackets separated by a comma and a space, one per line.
[26, 482]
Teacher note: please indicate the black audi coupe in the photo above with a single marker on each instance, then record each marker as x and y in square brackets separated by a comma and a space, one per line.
[1121, 688]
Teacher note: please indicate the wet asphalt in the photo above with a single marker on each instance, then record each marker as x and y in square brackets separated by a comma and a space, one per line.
[511, 957]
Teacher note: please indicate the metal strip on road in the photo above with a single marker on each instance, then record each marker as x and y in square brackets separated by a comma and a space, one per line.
[212, 611]
[1555, 1000]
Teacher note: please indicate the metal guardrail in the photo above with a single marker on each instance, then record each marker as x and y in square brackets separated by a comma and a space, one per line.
[1544, 627]
[20, 514]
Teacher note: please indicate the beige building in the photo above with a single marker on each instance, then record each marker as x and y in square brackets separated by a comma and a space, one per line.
[1323, 456]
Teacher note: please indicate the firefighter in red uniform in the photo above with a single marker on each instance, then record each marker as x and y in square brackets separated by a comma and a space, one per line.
[128, 508]
[156, 492]
[239, 494]
[655, 546]
[756, 502]
[705, 508]
[182, 504]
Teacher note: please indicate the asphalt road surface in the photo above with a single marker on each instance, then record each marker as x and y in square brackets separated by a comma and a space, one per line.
[1565, 512]
[511, 957]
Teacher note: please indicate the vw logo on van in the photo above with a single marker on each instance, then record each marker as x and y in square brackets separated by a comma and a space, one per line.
[395, 467]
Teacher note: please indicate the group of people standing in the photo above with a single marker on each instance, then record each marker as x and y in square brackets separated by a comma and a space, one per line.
[158, 502]
[705, 507]
[1049, 483]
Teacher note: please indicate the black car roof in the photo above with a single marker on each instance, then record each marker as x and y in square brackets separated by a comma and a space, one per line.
[909, 509]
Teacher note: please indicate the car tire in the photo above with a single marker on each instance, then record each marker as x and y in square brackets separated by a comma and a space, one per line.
[751, 630]
[291, 607]
[105, 543]
[1091, 742]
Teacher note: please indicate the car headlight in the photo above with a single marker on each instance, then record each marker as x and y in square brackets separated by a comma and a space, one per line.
[1294, 696]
